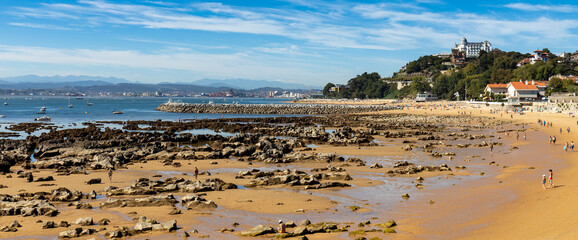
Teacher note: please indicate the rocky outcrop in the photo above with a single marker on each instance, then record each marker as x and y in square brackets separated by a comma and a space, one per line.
[412, 169]
[152, 201]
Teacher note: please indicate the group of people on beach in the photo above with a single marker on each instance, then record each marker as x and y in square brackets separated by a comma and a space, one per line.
[550, 177]
[544, 123]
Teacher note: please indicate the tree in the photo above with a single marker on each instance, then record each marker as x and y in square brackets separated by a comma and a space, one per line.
[326, 89]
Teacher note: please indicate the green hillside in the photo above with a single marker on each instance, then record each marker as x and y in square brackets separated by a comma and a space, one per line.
[438, 75]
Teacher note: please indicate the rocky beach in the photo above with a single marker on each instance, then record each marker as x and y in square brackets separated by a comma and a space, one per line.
[395, 171]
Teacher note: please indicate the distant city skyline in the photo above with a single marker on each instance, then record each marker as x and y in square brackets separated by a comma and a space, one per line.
[307, 42]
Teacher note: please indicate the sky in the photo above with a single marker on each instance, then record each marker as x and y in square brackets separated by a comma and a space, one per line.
[310, 42]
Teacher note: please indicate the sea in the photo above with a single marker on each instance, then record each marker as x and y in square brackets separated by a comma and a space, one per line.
[16, 110]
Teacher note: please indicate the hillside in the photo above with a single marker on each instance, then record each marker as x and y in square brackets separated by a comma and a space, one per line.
[444, 78]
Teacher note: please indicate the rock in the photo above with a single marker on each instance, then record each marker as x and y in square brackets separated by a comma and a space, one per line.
[8, 229]
[143, 226]
[94, 181]
[304, 222]
[86, 221]
[258, 230]
[198, 205]
[175, 211]
[15, 224]
[45, 179]
[70, 233]
[63, 224]
[92, 195]
[301, 230]
[405, 195]
[104, 221]
[48, 224]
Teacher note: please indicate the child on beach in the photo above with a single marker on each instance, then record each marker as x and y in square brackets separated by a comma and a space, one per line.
[544, 181]
[551, 177]
[566, 146]
[196, 172]
[572, 145]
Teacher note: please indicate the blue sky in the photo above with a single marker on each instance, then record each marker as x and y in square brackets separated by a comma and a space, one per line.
[298, 41]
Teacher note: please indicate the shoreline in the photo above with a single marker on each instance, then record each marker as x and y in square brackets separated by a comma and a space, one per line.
[416, 217]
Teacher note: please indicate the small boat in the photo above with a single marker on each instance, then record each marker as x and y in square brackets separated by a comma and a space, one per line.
[70, 104]
[42, 119]
[117, 112]
[79, 98]
[2, 115]
[42, 110]
[89, 104]
[5, 103]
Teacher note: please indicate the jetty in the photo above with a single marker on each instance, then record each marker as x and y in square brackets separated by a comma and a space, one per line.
[270, 109]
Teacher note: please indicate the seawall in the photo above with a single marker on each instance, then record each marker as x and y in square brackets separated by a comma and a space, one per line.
[281, 109]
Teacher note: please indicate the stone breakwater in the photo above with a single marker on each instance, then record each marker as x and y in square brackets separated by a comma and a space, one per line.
[284, 109]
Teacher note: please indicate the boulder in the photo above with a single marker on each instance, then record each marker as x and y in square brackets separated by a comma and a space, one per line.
[86, 221]
[258, 230]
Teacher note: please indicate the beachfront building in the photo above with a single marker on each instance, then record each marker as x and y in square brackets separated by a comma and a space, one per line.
[538, 56]
[497, 88]
[519, 91]
[425, 96]
[472, 49]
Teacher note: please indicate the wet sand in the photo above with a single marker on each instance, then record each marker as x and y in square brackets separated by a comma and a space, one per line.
[506, 202]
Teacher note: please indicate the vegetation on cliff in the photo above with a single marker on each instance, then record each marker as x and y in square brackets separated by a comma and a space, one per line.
[438, 75]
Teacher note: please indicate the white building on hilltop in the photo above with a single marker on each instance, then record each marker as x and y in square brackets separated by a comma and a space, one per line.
[472, 49]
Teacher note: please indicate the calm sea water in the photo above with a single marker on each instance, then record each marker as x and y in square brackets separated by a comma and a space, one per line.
[25, 109]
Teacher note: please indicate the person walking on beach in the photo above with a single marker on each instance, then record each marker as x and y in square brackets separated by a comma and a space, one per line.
[110, 174]
[566, 146]
[553, 139]
[196, 172]
[550, 140]
[492, 148]
[572, 146]
[551, 177]
[517, 136]
[568, 130]
[560, 130]
[524, 136]
[544, 181]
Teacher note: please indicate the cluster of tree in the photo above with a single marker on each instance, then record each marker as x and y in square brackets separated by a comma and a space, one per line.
[471, 80]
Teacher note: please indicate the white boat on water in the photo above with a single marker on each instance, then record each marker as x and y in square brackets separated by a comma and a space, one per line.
[117, 112]
[42, 110]
[42, 119]
[2, 115]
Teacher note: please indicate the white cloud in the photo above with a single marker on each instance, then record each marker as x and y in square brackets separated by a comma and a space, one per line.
[565, 8]
[40, 26]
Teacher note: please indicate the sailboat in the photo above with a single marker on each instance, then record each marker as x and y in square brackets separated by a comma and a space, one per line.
[70, 104]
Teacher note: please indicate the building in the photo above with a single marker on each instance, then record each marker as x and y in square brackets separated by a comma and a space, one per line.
[425, 96]
[520, 91]
[497, 88]
[538, 56]
[472, 49]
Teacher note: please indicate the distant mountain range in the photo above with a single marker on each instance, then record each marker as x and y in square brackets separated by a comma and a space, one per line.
[250, 84]
[113, 83]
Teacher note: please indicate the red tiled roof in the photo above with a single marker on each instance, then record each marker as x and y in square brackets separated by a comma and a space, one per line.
[522, 86]
[498, 85]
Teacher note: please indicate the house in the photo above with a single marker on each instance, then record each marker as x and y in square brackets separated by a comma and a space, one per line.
[541, 85]
[538, 56]
[521, 91]
[497, 88]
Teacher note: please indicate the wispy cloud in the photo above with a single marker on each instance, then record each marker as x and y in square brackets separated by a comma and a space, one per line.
[564, 8]
[40, 26]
